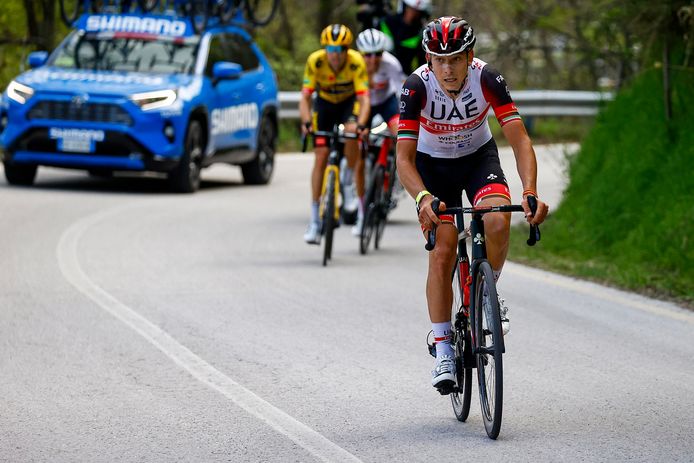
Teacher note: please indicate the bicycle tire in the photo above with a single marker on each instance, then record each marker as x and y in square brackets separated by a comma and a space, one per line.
[461, 397]
[70, 15]
[372, 209]
[329, 217]
[258, 17]
[199, 13]
[488, 348]
[148, 5]
[228, 9]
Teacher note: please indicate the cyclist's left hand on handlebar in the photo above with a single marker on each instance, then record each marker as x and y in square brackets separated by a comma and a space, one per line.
[540, 213]
[427, 217]
[363, 132]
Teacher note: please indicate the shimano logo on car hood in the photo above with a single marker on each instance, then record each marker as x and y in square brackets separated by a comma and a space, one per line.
[151, 24]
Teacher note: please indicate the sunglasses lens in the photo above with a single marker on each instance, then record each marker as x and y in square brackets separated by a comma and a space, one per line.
[448, 48]
[333, 48]
[369, 55]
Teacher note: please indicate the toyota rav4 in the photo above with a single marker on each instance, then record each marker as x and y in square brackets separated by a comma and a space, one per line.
[143, 93]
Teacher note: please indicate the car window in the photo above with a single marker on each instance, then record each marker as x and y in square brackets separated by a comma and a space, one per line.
[239, 51]
[216, 54]
[140, 54]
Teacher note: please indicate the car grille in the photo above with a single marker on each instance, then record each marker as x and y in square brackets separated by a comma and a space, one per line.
[87, 112]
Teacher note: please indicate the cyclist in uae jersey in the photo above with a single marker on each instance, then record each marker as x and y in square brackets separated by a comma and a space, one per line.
[444, 147]
[339, 76]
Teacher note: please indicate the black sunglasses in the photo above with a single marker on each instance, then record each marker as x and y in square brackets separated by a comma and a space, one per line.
[378, 54]
[451, 46]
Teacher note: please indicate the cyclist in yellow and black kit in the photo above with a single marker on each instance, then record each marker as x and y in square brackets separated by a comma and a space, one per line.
[339, 76]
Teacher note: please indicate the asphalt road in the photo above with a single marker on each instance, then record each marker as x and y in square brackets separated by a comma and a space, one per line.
[138, 325]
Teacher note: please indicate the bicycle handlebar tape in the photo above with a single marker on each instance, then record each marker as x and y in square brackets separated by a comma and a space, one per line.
[534, 229]
[304, 143]
[431, 236]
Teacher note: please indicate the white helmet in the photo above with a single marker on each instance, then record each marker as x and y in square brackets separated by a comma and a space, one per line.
[421, 5]
[371, 41]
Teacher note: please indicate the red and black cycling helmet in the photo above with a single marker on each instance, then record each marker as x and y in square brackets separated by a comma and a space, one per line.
[448, 35]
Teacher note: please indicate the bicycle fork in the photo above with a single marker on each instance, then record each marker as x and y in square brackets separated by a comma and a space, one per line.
[324, 190]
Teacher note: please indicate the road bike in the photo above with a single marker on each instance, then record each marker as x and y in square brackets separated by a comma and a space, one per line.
[477, 335]
[382, 179]
[331, 190]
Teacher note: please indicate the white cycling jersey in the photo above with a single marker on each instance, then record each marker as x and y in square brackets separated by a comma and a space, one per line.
[451, 128]
[387, 80]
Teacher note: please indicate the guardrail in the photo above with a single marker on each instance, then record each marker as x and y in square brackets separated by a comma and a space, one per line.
[529, 102]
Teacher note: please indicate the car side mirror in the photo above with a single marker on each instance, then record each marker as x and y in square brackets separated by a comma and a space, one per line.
[225, 70]
[37, 59]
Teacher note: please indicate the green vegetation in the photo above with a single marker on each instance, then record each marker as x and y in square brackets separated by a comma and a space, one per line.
[627, 217]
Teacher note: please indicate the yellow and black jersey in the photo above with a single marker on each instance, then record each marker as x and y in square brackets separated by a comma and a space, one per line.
[332, 86]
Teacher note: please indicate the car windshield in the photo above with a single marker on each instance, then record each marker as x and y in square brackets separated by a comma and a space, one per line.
[126, 52]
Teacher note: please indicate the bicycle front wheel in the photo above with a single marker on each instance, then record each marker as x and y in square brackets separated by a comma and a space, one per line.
[371, 208]
[261, 12]
[329, 216]
[70, 10]
[460, 397]
[488, 348]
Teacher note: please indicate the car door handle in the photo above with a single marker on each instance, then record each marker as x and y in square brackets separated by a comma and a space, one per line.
[260, 87]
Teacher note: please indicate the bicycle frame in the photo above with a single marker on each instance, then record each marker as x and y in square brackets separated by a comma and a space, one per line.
[466, 268]
[337, 141]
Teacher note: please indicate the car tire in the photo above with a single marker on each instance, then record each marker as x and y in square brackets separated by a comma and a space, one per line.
[259, 170]
[185, 178]
[20, 174]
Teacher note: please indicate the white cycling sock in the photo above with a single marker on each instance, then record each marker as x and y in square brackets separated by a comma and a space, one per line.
[314, 212]
[442, 339]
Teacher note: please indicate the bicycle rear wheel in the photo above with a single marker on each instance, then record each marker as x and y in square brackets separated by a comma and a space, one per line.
[329, 217]
[460, 398]
[261, 12]
[488, 348]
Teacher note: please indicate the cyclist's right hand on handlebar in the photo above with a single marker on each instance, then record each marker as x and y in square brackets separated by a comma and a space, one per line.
[427, 215]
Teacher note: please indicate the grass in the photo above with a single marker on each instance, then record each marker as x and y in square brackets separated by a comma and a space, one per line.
[627, 217]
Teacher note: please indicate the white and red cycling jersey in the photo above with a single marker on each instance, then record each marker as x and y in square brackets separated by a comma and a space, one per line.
[387, 80]
[452, 128]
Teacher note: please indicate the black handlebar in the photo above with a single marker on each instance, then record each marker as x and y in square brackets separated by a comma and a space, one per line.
[532, 203]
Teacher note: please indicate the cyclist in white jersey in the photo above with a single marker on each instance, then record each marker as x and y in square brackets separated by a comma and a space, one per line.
[444, 147]
[385, 80]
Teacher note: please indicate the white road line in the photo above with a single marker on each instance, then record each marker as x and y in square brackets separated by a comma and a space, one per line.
[301, 434]
[654, 307]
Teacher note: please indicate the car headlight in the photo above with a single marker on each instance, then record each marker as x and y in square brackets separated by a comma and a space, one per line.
[154, 100]
[19, 92]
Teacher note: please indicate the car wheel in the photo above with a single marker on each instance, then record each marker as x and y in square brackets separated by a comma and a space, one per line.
[259, 170]
[185, 178]
[20, 174]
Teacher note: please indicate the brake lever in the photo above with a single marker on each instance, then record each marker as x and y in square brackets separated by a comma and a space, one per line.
[431, 235]
[534, 236]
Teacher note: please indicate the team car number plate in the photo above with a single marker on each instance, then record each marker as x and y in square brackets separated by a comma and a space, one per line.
[76, 140]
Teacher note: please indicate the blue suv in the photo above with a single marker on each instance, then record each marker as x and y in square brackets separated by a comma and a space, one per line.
[143, 93]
